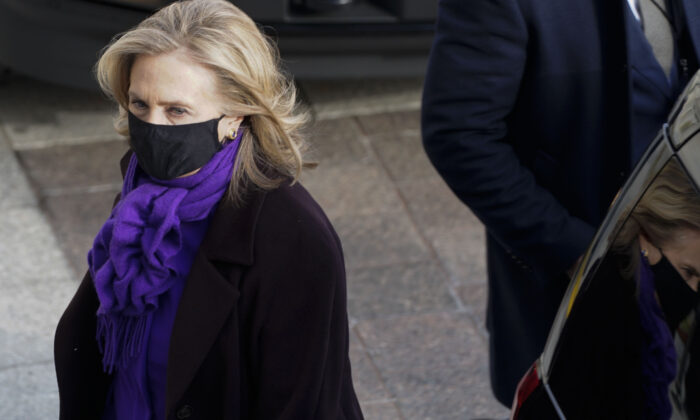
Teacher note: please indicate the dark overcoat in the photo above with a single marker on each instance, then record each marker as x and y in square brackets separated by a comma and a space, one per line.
[261, 330]
[526, 115]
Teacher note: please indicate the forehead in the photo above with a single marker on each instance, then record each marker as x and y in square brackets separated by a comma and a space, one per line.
[687, 236]
[171, 76]
[686, 242]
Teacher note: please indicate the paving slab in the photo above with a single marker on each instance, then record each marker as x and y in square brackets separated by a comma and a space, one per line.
[352, 187]
[74, 168]
[37, 114]
[454, 233]
[37, 286]
[403, 156]
[338, 140]
[381, 411]
[28, 249]
[461, 249]
[28, 392]
[392, 122]
[76, 219]
[338, 98]
[379, 239]
[14, 188]
[400, 289]
[29, 317]
[474, 298]
[457, 391]
[77, 185]
[433, 204]
[435, 365]
[434, 339]
[366, 378]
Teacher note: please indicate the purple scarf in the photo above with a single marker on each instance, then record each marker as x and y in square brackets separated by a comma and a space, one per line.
[658, 352]
[130, 260]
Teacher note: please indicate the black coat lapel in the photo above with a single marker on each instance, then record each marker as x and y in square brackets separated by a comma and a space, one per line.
[206, 303]
[210, 296]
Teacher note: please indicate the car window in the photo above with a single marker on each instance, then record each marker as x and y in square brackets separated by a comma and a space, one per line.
[629, 345]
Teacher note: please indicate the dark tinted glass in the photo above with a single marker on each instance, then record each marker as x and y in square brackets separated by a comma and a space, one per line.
[629, 348]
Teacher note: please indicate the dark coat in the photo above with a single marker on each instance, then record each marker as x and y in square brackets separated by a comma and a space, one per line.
[261, 330]
[526, 115]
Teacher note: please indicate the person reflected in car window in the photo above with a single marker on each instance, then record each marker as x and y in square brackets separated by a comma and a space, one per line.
[659, 245]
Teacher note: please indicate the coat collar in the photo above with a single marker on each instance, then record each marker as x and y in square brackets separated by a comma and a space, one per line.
[206, 303]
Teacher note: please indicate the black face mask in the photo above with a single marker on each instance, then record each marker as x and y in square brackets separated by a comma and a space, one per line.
[169, 151]
[676, 297]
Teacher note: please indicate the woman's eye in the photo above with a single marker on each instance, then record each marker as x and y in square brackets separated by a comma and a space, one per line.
[690, 273]
[178, 111]
[138, 104]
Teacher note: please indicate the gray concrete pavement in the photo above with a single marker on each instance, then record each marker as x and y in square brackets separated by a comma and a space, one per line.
[414, 253]
[36, 284]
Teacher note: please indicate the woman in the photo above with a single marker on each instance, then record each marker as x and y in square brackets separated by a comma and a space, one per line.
[662, 237]
[216, 288]
[659, 246]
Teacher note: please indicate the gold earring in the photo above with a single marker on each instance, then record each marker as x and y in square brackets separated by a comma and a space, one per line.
[232, 133]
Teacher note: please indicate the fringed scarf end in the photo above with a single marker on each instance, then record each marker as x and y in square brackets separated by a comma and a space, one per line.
[120, 339]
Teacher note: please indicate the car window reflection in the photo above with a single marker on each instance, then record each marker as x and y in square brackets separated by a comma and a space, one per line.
[629, 348]
[659, 248]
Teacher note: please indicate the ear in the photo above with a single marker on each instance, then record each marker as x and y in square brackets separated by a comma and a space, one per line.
[227, 124]
[653, 253]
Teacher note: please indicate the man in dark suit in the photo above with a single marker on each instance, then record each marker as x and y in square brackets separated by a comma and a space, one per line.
[534, 112]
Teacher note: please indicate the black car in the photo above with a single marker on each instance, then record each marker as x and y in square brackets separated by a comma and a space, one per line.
[59, 40]
[622, 345]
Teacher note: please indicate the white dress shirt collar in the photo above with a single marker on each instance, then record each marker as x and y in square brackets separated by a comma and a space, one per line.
[634, 6]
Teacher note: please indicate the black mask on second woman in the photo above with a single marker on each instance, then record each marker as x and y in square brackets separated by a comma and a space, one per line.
[676, 296]
[169, 151]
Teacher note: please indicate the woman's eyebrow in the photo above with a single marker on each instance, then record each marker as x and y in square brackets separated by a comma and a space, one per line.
[179, 103]
[133, 95]
[175, 103]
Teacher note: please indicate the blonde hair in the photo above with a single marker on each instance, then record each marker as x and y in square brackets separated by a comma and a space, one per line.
[219, 36]
[669, 205]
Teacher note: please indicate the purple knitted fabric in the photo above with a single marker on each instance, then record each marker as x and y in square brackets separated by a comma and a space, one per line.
[658, 352]
[130, 261]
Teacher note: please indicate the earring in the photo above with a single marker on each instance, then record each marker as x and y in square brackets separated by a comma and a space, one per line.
[232, 134]
[645, 253]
